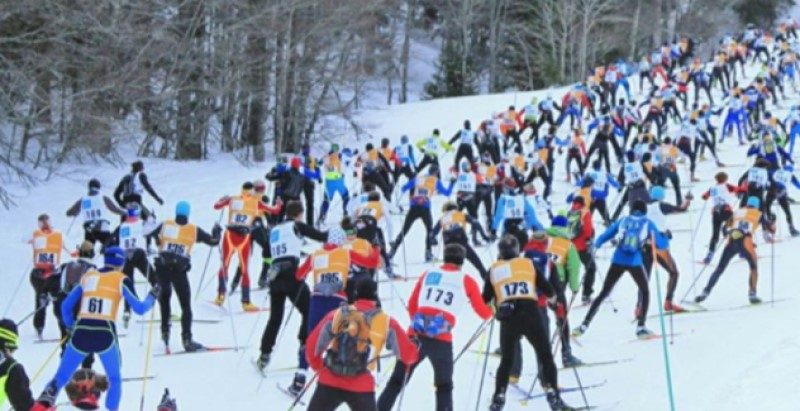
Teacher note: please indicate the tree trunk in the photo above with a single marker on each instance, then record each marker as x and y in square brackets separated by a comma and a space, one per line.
[405, 51]
[255, 82]
[635, 30]
[657, 38]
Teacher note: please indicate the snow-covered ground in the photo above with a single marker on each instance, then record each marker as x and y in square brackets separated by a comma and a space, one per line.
[721, 360]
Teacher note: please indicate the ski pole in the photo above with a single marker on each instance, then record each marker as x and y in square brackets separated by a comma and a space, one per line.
[230, 312]
[697, 277]
[699, 220]
[403, 390]
[772, 276]
[252, 330]
[485, 363]
[32, 313]
[208, 258]
[147, 357]
[49, 358]
[16, 291]
[472, 339]
[667, 368]
[69, 227]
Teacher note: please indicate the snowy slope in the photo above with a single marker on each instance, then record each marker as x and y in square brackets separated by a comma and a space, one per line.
[721, 360]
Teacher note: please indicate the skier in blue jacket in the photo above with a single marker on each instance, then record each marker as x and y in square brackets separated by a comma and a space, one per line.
[634, 231]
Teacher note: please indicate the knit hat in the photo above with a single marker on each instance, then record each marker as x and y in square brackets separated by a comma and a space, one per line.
[183, 208]
[296, 163]
[114, 257]
[9, 336]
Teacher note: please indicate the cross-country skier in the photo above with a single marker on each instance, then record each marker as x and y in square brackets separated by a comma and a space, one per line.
[94, 332]
[243, 210]
[96, 228]
[67, 277]
[466, 141]
[176, 238]
[513, 214]
[285, 244]
[47, 244]
[634, 230]
[346, 346]
[430, 147]
[132, 186]
[722, 198]
[130, 236]
[514, 281]
[453, 226]
[422, 188]
[657, 210]
[740, 229]
[778, 190]
[330, 267]
[15, 387]
[437, 301]
[333, 173]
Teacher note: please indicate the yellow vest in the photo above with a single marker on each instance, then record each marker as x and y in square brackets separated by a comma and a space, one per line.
[102, 293]
[513, 280]
[177, 239]
[47, 248]
[243, 210]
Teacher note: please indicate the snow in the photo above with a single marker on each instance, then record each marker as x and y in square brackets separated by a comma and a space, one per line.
[727, 359]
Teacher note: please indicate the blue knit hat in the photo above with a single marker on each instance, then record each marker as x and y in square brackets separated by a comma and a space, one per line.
[114, 257]
[657, 193]
[183, 208]
[753, 202]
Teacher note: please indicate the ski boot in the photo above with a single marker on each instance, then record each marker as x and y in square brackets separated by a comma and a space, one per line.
[165, 338]
[192, 346]
[720, 164]
[669, 306]
[642, 332]
[428, 256]
[263, 361]
[568, 360]
[220, 299]
[586, 299]
[39, 332]
[708, 257]
[556, 403]
[580, 330]
[793, 232]
[126, 319]
[47, 398]
[753, 298]
[390, 272]
[298, 384]
[701, 297]
[167, 402]
[498, 402]
[249, 307]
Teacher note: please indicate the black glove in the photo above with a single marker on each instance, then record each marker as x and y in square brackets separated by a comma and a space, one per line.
[155, 291]
[216, 231]
[160, 201]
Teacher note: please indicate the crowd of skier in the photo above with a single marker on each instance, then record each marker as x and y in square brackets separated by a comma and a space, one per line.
[623, 147]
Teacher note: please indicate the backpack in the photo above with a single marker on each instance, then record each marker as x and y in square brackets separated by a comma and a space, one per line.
[353, 335]
[71, 274]
[631, 234]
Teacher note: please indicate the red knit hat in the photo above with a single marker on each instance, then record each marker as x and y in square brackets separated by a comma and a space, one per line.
[296, 162]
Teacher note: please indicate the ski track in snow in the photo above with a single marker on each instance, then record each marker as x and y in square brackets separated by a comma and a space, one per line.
[721, 360]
